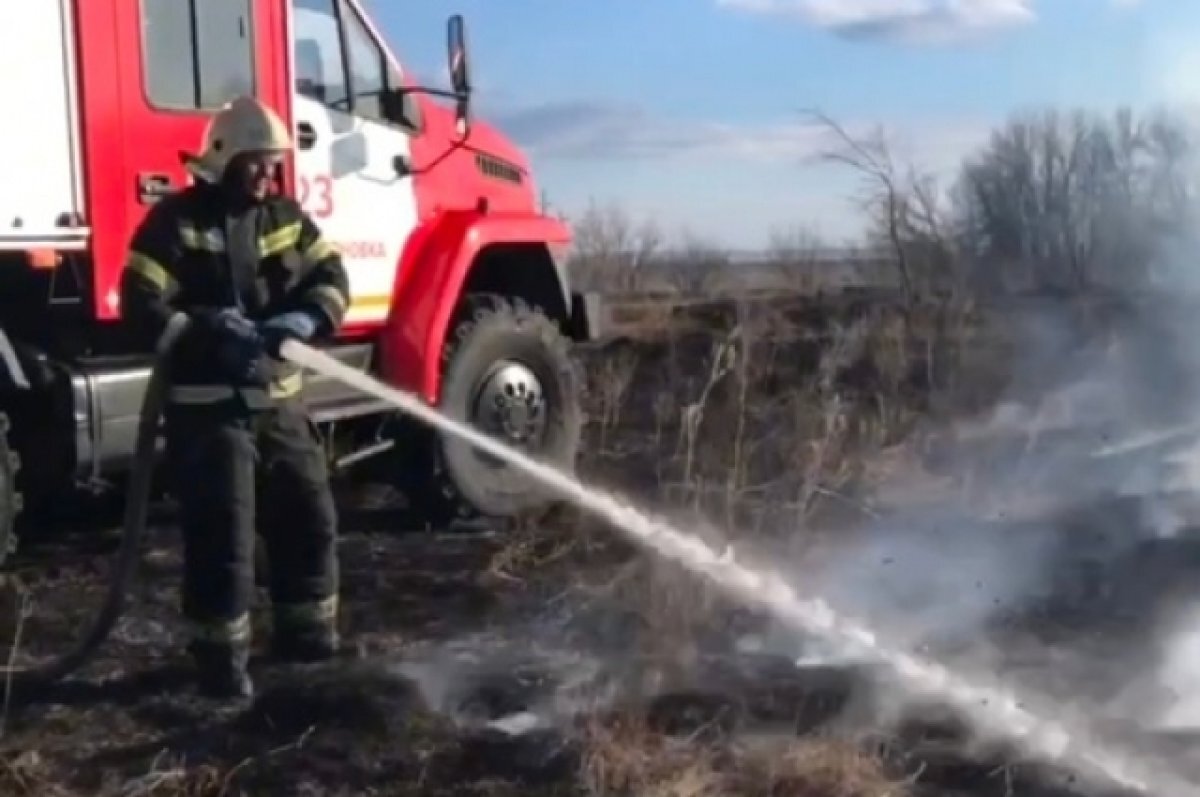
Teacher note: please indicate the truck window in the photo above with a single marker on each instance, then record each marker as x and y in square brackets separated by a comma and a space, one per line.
[320, 67]
[367, 66]
[197, 55]
[320, 74]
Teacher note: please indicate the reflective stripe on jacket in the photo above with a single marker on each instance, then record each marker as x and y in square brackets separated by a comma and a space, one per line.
[285, 387]
[190, 253]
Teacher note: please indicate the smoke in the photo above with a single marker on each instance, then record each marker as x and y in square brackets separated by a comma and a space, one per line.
[934, 580]
[1066, 559]
[1070, 566]
[1175, 691]
[526, 676]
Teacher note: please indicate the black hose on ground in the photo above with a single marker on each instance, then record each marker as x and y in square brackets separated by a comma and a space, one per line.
[137, 505]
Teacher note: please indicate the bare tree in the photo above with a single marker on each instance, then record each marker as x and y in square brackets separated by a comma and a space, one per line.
[905, 213]
[694, 266]
[1071, 201]
[611, 251]
[794, 256]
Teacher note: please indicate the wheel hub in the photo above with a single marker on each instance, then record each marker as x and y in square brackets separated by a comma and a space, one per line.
[511, 404]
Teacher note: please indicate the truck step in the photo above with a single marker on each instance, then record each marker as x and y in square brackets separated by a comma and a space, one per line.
[345, 409]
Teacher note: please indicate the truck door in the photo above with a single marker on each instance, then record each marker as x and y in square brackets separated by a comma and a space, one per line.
[348, 145]
[179, 62]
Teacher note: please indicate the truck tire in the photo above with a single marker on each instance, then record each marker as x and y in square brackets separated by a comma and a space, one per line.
[507, 370]
[10, 496]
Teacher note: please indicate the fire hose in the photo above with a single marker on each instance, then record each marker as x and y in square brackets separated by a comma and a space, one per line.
[137, 504]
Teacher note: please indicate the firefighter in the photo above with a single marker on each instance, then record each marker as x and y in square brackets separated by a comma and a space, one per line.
[251, 269]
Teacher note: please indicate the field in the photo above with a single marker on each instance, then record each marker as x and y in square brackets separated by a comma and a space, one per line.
[558, 659]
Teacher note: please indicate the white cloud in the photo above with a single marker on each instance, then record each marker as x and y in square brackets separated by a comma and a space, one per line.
[912, 21]
[607, 131]
[594, 130]
[734, 182]
[923, 21]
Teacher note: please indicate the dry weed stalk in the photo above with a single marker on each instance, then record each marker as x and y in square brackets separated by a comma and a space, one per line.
[24, 612]
[736, 472]
[614, 378]
[821, 459]
[724, 355]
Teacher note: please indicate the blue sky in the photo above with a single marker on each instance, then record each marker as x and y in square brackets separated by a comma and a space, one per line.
[689, 112]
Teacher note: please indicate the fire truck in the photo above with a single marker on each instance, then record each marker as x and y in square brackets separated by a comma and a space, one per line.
[460, 292]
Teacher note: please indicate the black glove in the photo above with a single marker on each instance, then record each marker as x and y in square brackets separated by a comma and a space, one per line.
[236, 344]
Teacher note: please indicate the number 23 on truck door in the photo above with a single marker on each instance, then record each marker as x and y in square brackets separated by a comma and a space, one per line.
[315, 195]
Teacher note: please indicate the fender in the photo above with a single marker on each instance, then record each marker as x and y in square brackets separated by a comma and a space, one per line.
[434, 266]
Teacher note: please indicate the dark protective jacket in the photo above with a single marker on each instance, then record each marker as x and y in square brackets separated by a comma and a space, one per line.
[193, 254]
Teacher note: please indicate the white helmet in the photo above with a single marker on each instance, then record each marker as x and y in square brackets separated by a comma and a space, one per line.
[243, 125]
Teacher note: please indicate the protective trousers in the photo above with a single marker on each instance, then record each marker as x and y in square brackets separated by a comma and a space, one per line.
[237, 474]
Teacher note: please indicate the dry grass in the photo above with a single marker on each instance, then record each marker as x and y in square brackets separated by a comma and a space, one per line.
[764, 426]
[770, 415]
[623, 755]
[27, 774]
[168, 778]
[816, 768]
[768, 424]
[772, 425]
[531, 549]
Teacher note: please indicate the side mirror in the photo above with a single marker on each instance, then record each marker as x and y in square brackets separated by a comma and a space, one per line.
[460, 70]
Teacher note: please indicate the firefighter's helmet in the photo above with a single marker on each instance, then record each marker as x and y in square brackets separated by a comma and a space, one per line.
[243, 126]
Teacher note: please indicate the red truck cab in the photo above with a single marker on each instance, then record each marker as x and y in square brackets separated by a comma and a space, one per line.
[459, 286]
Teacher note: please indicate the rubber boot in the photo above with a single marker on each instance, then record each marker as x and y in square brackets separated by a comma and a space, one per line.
[221, 670]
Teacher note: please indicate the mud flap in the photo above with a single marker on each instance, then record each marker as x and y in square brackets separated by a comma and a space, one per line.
[586, 323]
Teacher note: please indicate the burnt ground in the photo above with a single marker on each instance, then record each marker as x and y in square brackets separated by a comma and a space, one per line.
[485, 664]
[546, 661]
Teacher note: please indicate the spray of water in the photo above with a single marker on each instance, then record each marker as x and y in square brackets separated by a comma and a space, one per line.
[987, 706]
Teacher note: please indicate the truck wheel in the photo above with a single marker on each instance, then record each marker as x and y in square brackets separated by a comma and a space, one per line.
[10, 497]
[506, 370]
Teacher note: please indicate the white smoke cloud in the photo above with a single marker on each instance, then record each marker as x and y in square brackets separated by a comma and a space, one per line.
[911, 21]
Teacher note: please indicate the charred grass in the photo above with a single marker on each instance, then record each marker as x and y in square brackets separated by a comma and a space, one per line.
[775, 427]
